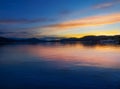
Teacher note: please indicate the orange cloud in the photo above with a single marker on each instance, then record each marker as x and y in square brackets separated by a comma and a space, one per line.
[88, 21]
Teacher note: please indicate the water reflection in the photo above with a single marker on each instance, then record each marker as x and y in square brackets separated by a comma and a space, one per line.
[78, 54]
[59, 66]
[72, 54]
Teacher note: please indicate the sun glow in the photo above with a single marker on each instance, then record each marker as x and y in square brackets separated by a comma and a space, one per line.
[96, 33]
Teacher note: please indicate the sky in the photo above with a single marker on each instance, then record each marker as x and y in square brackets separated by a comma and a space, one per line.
[59, 18]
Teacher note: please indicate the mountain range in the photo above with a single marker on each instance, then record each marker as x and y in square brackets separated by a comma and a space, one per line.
[88, 39]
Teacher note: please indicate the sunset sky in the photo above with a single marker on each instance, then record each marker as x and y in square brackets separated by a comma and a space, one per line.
[59, 18]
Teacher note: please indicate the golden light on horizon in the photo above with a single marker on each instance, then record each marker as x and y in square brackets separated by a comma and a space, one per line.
[107, 24]
[96, 33]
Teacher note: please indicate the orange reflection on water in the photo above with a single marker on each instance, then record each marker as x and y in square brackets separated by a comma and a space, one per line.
[101, 56]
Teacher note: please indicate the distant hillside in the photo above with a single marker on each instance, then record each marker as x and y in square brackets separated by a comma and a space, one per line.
[88, 39]
[6, 40]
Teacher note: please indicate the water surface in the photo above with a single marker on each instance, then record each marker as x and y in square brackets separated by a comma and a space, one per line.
[59, 66]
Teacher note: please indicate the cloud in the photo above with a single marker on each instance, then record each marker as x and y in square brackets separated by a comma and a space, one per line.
[15, 34]
[65, 12]
[24, 21]
[106, 4]
[3, 33]
[88, 21]
[86, 10]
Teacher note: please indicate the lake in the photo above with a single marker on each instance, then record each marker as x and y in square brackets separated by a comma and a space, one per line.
[59, 66]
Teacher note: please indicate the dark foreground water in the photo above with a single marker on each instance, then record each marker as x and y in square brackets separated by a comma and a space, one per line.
[59, 66]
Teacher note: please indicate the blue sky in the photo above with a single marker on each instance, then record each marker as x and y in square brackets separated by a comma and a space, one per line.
[66, 18]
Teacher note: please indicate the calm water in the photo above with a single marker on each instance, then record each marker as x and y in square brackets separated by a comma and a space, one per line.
[59, 66]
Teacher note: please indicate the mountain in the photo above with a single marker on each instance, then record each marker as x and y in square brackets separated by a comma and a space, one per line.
[85, 39]
[6, 40]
